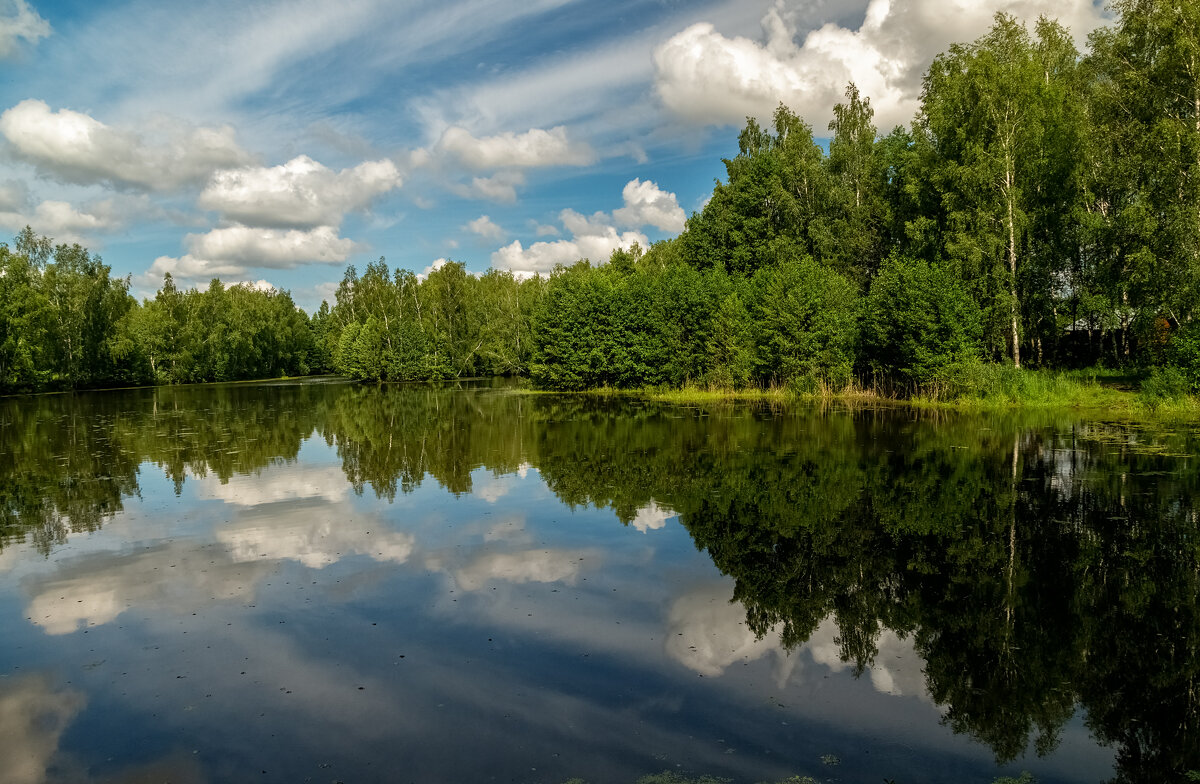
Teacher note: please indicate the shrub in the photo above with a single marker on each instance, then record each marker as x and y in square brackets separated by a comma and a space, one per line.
[807, 324]
[917, 321]
[1183, 353]
[1164, 383]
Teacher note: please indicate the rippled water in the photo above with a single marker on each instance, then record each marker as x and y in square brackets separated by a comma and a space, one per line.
[328, 582]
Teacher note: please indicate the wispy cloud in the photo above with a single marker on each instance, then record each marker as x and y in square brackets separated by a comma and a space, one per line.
[19, 22]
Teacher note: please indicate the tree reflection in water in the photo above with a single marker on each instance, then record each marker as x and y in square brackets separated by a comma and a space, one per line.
[1037, 566]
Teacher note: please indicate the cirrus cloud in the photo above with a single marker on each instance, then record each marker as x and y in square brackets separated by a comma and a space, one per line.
[18, 21]
[500, 188]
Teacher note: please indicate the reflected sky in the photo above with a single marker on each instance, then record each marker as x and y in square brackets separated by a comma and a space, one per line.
[281, 624]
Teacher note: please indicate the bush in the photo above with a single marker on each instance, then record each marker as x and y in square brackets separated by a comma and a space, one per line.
[1164, 383]
[917, 321]
[1183, 353]
[807, 324]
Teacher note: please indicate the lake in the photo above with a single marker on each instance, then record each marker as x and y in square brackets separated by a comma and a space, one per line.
[320, 581]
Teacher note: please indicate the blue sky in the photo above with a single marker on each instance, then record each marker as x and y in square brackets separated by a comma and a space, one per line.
[281, 141]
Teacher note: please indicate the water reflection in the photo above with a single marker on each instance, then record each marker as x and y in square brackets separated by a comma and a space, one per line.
[1007, 572]
[33, 716]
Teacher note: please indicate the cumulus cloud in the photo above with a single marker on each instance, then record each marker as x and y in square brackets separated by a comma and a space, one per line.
[65, 222]
[328, 484]
[19, 22]
[528, 566]
[14, 196]
[301, 193]
[56, 219]
[707, 633]
[314, 536]
[648, 205]
[173, 577]
[652, 517]
[275, 249]
[593, 238]
[706, 77]
[33, 717]
[534, 148]
[76, 148]
[231, 251]
[434, 267]
[596, 236]
[485, 227]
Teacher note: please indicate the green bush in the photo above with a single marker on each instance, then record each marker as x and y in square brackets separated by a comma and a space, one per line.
[807, 324]
[918, 321]
[1164, 383]
[1183, 353]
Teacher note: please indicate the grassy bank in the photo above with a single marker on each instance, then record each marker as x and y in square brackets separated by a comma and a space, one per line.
[979, 388]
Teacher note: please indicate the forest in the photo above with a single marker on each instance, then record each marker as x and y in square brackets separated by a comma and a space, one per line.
[1041, 211]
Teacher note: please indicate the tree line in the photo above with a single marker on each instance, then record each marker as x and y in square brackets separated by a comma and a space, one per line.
[65, 323]
[1042, 210]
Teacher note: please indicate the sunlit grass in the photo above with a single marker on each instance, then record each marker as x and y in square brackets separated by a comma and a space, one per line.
[978, 387]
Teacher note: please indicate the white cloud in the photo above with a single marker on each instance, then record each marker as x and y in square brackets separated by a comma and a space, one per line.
[485, 227]
[229, 252]
[328, 484]
[542, 257]
[652, 517]
[436, 265]
[593, 237]
[543, 230]
[14, 196]
[534, 148]
[19, 21]
[272, 248]
[33, 717]
[173, 578]
[500, 188]
[301, 193]
[314, 536]
[76, 148]
[187, 270]
[56, 219]
[647, 205]
[528, 566]
[67, 223]
[706, 77]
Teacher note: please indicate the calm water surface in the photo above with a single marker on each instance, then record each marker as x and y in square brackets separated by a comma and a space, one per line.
[327, 582]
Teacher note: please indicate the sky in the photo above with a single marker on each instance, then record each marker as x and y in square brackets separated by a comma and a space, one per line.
[275, 143]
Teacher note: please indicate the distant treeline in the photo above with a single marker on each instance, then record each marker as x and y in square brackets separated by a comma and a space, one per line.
[1042, 210]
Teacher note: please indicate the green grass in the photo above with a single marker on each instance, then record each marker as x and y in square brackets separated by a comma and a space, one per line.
[977, 387]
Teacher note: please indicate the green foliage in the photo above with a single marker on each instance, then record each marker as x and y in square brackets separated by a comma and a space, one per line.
[1183, 355]
[806, 318]
[1044, 209]
[1163, 384]
[917, 322]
